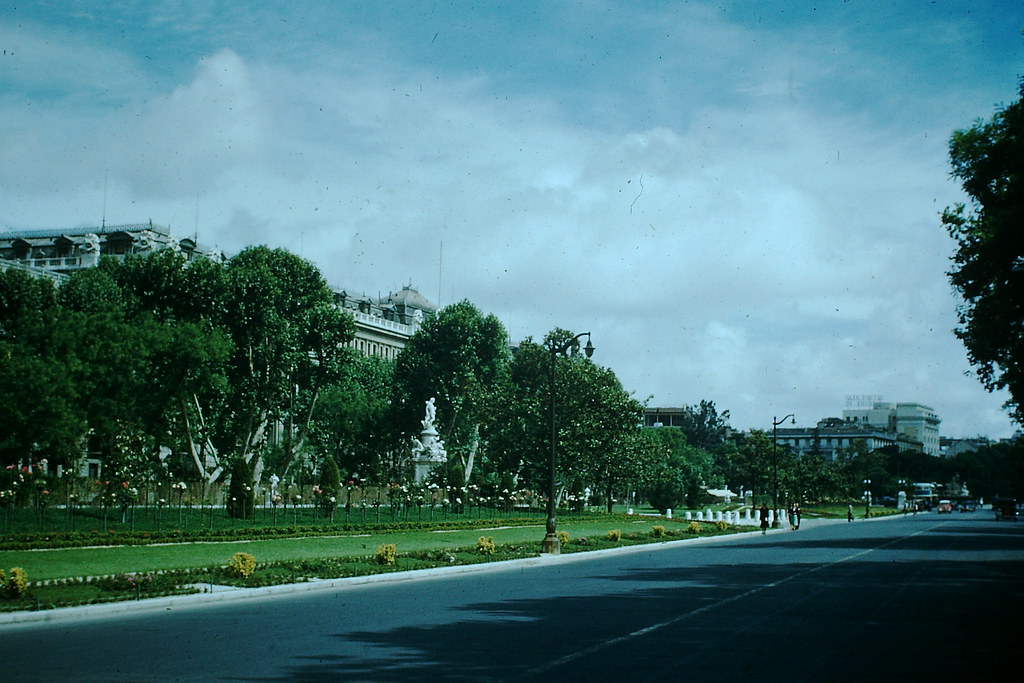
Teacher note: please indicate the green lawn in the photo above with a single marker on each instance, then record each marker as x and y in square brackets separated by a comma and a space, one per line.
[96, 561]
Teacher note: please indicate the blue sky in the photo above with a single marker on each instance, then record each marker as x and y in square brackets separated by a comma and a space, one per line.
[739, 200]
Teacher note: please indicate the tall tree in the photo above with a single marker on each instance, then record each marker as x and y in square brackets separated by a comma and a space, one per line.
[704, 426]
[458, 357]
[988, 270]
[289, 340]
[352, 420]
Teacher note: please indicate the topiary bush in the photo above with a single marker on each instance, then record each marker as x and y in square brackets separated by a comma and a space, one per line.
[485, 545]
[658, 531]
[15, 584]
[614, 535]
[385, 554]
[694, 528]
[242, 565]
[241, 503]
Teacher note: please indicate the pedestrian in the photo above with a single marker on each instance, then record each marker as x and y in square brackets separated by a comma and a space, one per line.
[764, 519]
[798, 515]
[849, 512]
[792, 516]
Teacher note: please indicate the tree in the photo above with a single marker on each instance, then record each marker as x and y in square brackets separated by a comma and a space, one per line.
[597, 422]
[704, 426]
[289, 341]
[680, 471]
[351, 423]
[988, 272]
[459, 357]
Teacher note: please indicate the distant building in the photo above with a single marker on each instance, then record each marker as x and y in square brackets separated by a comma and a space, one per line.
[832, 435]
[64, 251]
[914, 420]
[385, 324]
[664, 417]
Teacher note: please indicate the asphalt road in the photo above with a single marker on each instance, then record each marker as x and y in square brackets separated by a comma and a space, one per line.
[919, 598]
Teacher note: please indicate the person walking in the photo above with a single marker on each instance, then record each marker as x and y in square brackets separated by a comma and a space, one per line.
[849, 513]
[764, 519]
[798, 514]
[792, 517]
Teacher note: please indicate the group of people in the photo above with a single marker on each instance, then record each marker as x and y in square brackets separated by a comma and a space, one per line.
[794, 517]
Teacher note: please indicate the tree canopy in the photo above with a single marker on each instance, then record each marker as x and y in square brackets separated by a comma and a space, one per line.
[988, 266]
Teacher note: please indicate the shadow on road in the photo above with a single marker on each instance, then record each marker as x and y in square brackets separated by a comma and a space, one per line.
[914, 619]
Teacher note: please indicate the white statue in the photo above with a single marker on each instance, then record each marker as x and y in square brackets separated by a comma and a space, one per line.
[431, 414]
[145, 242]
[90, 244]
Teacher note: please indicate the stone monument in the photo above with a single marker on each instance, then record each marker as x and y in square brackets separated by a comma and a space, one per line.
[428, 450]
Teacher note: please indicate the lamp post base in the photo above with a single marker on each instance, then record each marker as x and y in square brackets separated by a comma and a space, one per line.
[551, 545]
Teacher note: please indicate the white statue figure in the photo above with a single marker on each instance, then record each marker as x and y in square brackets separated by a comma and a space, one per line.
[90, 249]
[431, 414]
[427, 450]
[145, 242]
[90, 244]
[274, 481]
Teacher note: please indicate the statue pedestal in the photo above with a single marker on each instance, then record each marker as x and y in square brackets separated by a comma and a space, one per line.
[427, 452]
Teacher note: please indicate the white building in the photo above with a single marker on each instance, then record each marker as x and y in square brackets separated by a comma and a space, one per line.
[913, 420]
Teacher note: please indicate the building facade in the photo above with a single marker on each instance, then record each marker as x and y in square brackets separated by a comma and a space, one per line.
[65, 251]
[832, 435]
[913, 420]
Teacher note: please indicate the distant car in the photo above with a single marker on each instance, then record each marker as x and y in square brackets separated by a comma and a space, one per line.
[944, 506]
[1005, 508]
[968, 505]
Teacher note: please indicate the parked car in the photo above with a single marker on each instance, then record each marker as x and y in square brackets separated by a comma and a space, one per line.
[1005, 508]
[968, 505]
[944, 506]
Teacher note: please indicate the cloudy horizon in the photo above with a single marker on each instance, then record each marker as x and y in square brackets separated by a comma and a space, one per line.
[740, 202]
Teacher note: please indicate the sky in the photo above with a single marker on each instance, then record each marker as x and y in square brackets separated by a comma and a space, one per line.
[740, 201]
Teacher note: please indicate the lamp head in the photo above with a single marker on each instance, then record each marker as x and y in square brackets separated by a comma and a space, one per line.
[589, 348]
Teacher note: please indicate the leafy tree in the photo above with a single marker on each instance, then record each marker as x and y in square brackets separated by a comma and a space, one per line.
[459, 357]
[597, 422]
[680, 472]
[289, 341]
[704, 426]
[351, 423]
[988, 160]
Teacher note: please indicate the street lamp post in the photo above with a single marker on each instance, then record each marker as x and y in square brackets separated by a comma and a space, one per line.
[775, 467]
[552, 546]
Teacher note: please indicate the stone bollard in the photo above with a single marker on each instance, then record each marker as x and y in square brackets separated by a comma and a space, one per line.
[688, 516]
[668, 513]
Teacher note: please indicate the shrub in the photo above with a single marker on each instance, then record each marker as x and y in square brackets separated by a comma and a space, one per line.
[330, 485]
[385, 554]
[722, 526]
[242, 564]
[614, 535]
[241, 504]
[485, 545]
[14, 585]
[563, 537]
[694, 528]
[658, 531]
